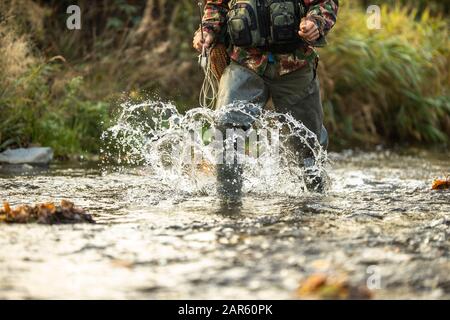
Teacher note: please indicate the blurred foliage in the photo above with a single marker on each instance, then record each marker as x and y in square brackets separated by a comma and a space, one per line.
[435, 7]
[69, 124]
[58, 86]
[389, 84]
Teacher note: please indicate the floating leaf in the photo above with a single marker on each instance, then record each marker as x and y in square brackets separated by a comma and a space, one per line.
[441, 184]
[322, 286]
[45, 213]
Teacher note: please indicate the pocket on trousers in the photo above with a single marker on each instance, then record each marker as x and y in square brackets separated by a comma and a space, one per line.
[307, 86]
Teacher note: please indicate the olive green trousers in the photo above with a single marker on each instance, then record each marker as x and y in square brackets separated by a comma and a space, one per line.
[297, 93]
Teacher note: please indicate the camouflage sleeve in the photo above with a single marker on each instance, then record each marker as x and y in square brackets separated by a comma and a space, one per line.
[323, 13]
[215, 14]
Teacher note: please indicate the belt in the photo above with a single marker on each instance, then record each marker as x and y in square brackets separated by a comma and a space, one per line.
[283, 48]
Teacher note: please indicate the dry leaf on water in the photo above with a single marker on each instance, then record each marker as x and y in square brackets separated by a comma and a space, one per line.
[45, 213]
[441, 184]
[322, 286]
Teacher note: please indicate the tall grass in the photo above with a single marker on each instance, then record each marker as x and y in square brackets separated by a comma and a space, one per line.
[32, 115]
[436, 7]
[34, 111]
[390, 84]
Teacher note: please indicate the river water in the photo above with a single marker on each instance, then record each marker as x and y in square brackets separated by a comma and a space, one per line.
[378, 218]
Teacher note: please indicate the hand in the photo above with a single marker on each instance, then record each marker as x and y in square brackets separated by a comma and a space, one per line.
[308, 30]
[198, 43]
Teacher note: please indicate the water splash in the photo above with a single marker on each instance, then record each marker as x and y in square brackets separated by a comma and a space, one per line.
[154, 140]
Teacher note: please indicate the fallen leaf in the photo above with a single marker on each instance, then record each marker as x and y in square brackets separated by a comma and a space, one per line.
[6, 207]
[46, 213]
[322, 286]
[441, 184]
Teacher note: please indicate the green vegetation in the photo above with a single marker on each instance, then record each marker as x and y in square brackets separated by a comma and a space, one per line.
[31, 114]
[390, 84]
[59, 87]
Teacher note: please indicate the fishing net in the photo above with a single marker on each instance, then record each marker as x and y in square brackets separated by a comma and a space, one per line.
[213, 62]
[219, 60]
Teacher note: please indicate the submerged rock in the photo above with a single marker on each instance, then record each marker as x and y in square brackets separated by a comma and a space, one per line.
[45, 213]
[27, 155]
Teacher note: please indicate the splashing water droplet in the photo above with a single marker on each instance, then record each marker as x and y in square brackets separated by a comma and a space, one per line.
[180, 151]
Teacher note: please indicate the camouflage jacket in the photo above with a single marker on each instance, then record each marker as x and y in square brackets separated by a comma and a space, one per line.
[322, 12]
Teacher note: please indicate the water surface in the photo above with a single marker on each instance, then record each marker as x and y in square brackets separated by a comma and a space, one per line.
[151, 242]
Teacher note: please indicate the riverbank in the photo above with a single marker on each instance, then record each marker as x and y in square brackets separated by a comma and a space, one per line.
[61, 88]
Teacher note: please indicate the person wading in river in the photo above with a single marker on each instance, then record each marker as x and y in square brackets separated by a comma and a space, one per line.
[272, 56]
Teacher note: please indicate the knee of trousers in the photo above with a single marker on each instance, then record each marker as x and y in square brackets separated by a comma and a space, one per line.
[238, 116]
[242, 93]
